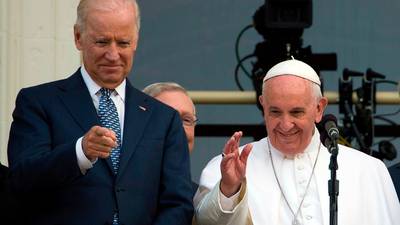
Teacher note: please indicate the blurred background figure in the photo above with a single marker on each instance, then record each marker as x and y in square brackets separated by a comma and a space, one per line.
[395, 174]
[177, 97]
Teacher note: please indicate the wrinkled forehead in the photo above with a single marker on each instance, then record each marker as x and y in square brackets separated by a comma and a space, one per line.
[286, 84]
[286, 80]
[287, 87]
[177, 99]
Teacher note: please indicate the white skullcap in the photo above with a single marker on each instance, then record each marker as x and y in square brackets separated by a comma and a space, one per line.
[293, 67]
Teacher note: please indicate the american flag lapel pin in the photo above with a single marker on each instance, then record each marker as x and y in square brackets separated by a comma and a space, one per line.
[142, 108]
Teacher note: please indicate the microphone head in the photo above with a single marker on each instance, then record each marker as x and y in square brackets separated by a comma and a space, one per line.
[325, 126]
[328, 117]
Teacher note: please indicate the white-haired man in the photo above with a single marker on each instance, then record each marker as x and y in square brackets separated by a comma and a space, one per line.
[174, 95]
[283, 178]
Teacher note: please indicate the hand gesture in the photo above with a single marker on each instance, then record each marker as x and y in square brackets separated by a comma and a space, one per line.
[233, 165]
[98, 142]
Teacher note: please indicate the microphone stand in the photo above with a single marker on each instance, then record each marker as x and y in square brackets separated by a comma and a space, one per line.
[333, 183]
[349, 114]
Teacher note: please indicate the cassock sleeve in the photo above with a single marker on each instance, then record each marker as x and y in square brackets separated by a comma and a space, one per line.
[208, 209]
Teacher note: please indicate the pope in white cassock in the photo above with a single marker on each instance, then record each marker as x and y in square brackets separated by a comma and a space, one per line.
[283, 178]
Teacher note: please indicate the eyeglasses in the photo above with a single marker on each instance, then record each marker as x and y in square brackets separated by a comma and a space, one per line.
[189, 120]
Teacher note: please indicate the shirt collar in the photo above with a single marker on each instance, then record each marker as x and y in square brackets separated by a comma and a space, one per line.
[314, 143]
[93, 87]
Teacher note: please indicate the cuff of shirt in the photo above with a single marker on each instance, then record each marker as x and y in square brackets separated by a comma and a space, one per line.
[229, 204]
[83, 162]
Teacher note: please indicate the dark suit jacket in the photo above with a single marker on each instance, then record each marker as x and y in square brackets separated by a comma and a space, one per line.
[395, 174]
[153, 185]
[8, 208]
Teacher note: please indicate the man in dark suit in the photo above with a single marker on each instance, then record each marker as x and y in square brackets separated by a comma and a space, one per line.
[70, 163]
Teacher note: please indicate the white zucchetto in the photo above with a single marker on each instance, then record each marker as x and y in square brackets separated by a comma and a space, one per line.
[293, 67]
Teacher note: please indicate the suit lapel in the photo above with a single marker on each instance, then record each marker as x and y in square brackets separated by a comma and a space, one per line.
[79, 104]
[137, 114]
[76, 98]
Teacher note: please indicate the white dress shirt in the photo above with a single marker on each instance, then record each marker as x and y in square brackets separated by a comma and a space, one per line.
[117, 96]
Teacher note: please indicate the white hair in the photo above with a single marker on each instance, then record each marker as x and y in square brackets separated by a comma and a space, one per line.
[156, 89]
[85, 5]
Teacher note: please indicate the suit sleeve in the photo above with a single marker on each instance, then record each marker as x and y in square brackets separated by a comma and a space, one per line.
[35, 162]
[175, 201]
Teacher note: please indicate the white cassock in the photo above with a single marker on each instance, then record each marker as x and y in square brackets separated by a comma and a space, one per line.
[366, 192]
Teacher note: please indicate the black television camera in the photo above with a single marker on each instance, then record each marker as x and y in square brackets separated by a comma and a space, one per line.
[281, 23]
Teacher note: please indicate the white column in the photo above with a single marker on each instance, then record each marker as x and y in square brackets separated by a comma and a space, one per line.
[3, 81]
[36, 46]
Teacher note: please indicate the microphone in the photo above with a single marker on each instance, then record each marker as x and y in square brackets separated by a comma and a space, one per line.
[331, 127]
[329, 133]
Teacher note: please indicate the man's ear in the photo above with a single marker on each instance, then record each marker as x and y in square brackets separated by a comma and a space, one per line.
[261, 100]
[78, 37]
[136, 41]
[321, 106]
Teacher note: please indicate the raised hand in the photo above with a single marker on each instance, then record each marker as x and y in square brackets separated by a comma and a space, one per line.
[233, 165]
[98, 142]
